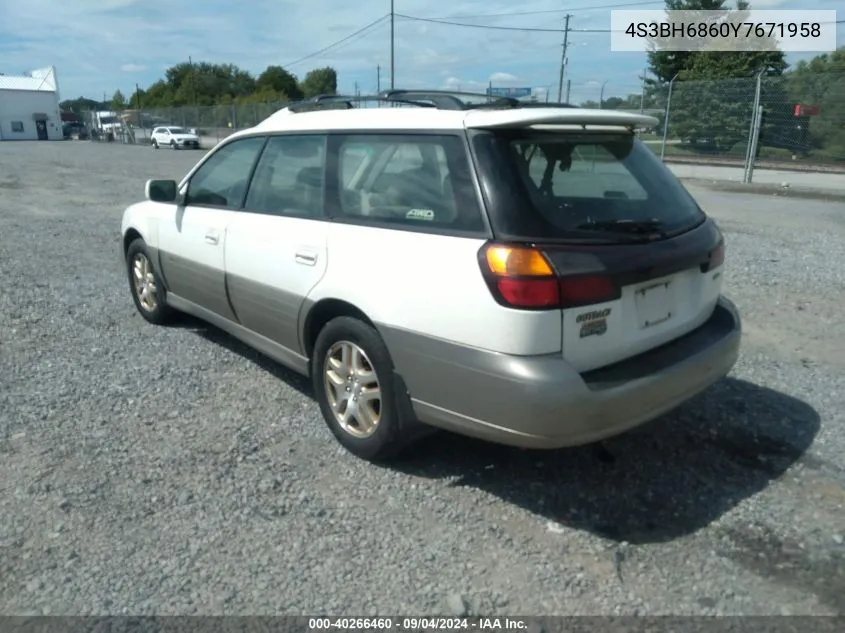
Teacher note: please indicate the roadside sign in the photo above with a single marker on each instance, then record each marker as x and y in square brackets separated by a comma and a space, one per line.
[515, 93]
[805, 110]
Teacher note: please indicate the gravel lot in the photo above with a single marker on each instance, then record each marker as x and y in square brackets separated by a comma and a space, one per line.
[150, 470]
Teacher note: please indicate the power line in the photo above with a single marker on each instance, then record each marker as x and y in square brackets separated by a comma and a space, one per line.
[479, 26]
[526, 29]
[343, 40]
[547, 11]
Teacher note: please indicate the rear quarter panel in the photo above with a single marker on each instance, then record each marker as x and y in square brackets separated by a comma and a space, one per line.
[429, 285]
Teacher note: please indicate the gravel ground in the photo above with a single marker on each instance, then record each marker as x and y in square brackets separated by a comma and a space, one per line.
[150, 470]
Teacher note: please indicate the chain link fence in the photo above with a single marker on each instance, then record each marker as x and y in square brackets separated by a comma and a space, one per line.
[211, 123]
[794, 121]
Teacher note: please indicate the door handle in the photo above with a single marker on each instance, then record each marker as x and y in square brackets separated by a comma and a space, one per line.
[212, 238]
[306, 258]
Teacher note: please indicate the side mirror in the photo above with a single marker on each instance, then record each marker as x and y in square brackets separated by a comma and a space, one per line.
[161, 190]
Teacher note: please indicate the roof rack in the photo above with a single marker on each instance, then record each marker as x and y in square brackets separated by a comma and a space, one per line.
[541, 104]
[347, 102]
[320, 102]
[440, 99]
[449, 100]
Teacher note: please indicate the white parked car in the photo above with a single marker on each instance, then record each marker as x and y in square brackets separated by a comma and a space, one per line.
[174, 138]
[532, 276]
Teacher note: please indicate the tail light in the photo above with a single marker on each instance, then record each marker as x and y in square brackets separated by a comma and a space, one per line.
[521, 277]
[717, 258]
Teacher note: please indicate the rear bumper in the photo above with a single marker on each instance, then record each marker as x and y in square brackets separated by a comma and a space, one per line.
[541, 402]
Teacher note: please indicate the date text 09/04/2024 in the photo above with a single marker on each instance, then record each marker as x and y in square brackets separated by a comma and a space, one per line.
[417, 624]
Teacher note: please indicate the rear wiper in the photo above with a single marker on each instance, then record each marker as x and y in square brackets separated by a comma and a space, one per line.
[639, 227]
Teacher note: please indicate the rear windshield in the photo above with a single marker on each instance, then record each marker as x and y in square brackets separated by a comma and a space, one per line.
[563, 185]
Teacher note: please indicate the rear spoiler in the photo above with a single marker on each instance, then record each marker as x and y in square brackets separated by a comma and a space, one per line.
[574, 117]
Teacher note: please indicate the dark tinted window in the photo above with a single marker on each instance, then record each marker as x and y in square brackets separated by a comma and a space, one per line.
[411, 180]
[289, 177]
[221, 180]
[556, 185]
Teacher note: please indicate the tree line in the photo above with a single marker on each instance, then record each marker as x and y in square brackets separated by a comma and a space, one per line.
[711, 102]
[714, 92]
[206, 84]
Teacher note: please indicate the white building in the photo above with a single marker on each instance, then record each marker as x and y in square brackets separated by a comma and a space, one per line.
[29, 107]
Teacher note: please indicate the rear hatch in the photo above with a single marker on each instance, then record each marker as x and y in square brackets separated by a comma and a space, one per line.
[637, 263]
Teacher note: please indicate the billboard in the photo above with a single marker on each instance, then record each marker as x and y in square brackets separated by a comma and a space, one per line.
[514, 93]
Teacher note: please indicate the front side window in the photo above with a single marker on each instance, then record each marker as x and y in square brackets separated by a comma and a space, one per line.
[419, 181]
[222, 179]
[289, 177]
[559, 185]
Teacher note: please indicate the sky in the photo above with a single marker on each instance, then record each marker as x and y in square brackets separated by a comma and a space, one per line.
[99, 46]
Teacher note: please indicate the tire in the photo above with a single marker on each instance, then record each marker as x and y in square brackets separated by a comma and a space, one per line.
[155, 144]
[396, 427]
[173, 145]
[159, 312]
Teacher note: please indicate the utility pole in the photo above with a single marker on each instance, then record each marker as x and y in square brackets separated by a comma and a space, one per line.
[563, 56]
[392, 61]
[642, 91]
[137, 97]
[193, 88]
[568, 88]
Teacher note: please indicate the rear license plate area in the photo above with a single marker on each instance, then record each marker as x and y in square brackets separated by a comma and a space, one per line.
[654, 304]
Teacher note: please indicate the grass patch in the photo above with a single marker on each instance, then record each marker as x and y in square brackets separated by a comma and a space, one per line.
[737, 152]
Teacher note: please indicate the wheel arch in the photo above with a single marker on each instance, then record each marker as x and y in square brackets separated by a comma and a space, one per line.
[130, 235]
[316, 316]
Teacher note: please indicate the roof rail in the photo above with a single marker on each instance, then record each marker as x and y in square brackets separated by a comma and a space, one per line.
[541, 104]
[447, 99]
[345, 102]
[320, 102]
[440, 99]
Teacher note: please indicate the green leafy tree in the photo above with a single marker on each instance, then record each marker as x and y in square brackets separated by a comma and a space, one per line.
[118, 101]
[158, 95]
[321, 81]
[202, 94]
[81, 104]
[279, 81]
[665, 64]
[713, 96]
[137, 100]
[820, 83]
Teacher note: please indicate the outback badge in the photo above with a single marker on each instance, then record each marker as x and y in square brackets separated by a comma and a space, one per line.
[594, 323]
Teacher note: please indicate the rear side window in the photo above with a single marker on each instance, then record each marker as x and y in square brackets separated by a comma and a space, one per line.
[419, 181]
[288, 180]
[563, 185]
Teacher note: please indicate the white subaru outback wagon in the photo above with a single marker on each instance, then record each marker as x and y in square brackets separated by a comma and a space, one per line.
[532, 276]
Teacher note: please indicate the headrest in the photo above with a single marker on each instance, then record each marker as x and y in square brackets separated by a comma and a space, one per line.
[310, 176]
